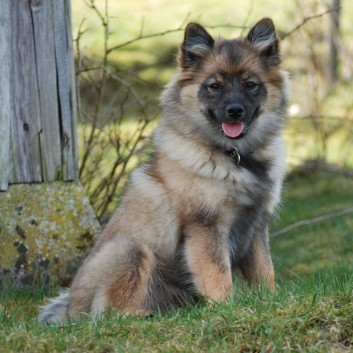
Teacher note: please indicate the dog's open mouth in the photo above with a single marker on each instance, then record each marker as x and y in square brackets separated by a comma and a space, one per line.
[233, 130]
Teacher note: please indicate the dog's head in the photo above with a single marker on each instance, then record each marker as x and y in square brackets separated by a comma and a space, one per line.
[226, 86]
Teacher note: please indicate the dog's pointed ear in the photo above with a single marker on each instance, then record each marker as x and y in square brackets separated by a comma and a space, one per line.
[263, 38]
[196, 46]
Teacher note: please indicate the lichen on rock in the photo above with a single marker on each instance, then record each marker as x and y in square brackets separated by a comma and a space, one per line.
[46, 230]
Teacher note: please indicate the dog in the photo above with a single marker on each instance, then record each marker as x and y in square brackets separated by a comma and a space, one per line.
[199, 211]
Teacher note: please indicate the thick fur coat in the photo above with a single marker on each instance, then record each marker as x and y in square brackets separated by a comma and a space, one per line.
[199, 211]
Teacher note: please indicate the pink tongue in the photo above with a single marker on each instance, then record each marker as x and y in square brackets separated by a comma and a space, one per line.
[233, 129]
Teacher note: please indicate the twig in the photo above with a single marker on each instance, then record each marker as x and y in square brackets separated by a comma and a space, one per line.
[305, 20]
[145, 36]
[312, 221]
[161, 34]
[105, 23]
[245, 23]
[181, 27]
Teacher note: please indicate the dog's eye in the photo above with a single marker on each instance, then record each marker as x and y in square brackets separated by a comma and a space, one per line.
[251, 85]
[214, 86]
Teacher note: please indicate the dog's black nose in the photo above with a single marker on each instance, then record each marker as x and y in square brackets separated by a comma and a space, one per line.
[235, 110]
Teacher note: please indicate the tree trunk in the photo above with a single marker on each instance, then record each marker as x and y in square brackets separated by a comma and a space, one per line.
[334, 36]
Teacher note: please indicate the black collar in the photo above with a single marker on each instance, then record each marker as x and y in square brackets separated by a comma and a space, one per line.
[249, 162]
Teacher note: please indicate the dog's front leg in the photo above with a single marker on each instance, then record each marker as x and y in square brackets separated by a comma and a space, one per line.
[208, 260]
[256, 265]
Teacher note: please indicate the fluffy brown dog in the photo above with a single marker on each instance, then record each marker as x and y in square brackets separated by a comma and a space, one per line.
[200, 210]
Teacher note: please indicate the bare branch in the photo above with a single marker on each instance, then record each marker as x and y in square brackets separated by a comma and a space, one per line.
[91, 4]
[142, 27]
[186, 19]
[163, 33]
[140, 37]
[305, 20]
[313, 220]
[105, 23]
[245, 24]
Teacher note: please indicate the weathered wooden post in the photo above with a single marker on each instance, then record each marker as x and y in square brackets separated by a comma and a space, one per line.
[45, 219]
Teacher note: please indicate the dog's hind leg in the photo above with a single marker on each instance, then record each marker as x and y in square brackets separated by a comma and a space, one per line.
[118, 275]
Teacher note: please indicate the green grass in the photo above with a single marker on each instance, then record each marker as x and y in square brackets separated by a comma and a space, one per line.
[315, 248]
[315, 317]
[311, 310]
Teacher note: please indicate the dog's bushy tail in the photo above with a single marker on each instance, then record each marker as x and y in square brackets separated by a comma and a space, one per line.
[57, 310]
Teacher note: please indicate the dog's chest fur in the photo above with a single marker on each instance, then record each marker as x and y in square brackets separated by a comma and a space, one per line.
[210, 188]
[215, 191]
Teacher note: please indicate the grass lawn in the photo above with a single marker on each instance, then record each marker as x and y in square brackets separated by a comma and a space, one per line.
[311, 311]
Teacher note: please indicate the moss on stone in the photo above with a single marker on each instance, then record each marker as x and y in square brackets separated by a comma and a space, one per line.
[45, 231]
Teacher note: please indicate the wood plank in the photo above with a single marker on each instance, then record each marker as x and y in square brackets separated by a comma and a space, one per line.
[72, 79]
[50, 144]
[39, 141]
[25, 154]
[63, 57]
[4, 94]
